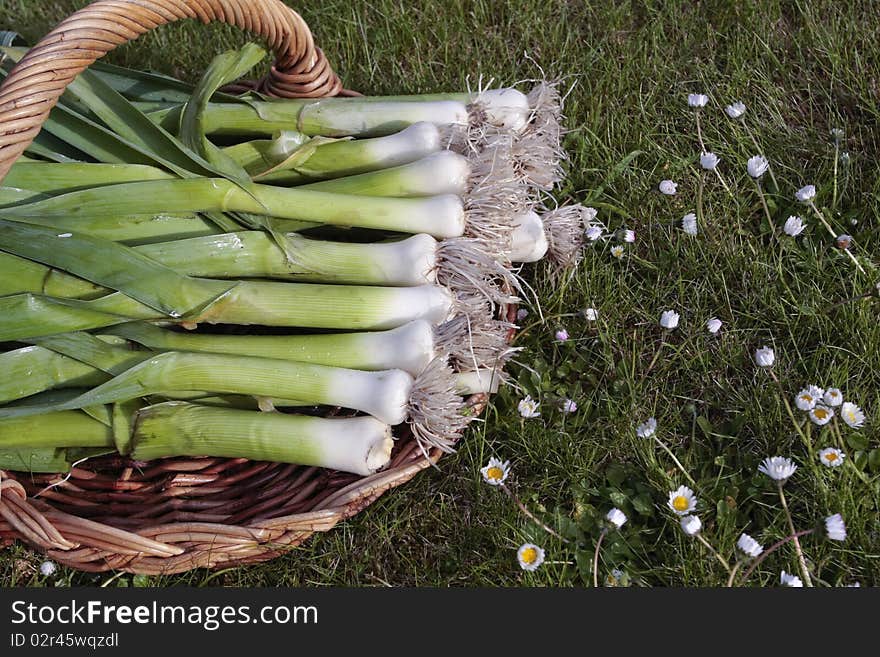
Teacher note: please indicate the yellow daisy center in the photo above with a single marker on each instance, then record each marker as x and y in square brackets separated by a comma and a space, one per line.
[529, 555]
[680, 503]
[495, 473]
[807, 398]
[831, 456]
[851, 416]
[820, 413]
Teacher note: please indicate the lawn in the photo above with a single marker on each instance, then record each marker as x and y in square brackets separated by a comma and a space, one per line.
[802, 69]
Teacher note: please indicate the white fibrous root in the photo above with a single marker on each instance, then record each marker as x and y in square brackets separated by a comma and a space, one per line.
[537, 152]
[475, 340]
[435, 410]
[464, 265]
[565, 228]
[494, 197]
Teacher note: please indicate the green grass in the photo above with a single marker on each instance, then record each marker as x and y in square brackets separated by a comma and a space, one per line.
[802, 68]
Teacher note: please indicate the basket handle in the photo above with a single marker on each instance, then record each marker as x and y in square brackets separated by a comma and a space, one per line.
[34, 86]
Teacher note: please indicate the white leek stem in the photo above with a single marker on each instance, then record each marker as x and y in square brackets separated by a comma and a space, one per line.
[528, 241]
[479, 381]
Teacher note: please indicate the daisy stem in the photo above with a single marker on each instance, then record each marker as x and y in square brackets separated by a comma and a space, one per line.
[838, 434]
[657, 354]
[700, 133]
[764, 205]
[828, 227]
[834, 192]
[724, 184]
[532, 516]
[733, 572]
[700, 200]
[797, 544]
[794, 421]
[711, 549]
[770, 550]
[677, 462]
[596, 559]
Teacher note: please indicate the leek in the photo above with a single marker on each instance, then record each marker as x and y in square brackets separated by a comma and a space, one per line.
[440, 216]
[329, 117]
[428, 402]
[24, 316]
[360, 445]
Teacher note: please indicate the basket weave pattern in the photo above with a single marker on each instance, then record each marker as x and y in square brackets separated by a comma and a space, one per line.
[172, 515]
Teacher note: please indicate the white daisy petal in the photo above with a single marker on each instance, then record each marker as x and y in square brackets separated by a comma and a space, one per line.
[832, 457]
[495, 472]
[682, 501]
[778, 468]
[791, 580]
[691, 525]
[669, 319]
[852, 415]
[735, 110]
[749, 546]
[528, 407]
[616, 517]
[647, 428]
[530, 556]
[765, 357]
[835, 528]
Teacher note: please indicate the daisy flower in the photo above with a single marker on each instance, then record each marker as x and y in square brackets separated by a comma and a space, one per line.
[629, 236]
[844, 241]
[852, 415]
[713, 325]
[682, 500]
[735, 110]
[668, 187]
[669, 319]
[691, 525]
[495, 472]
[749, 546]
[48, 568]
[616, 517]
[528, 407]
[689, 223]
[791, 580]
[568, 406]
[765, 357]
[832, 457]
[561, 335]
[617, 251]
[833, 397]
[794, 226]
[807, 398]
[697, 100]
[778, 468]
[530, 556]
[835, 528]
[806, 194]
[593, 233]
[591, 314]
[821, 415]
[647, 428]
[757, 166]
[709, 161]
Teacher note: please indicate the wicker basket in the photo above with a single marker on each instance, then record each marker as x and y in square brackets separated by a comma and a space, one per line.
[173, 515]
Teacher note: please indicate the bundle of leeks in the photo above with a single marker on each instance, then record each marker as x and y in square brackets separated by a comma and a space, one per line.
[184, 272]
